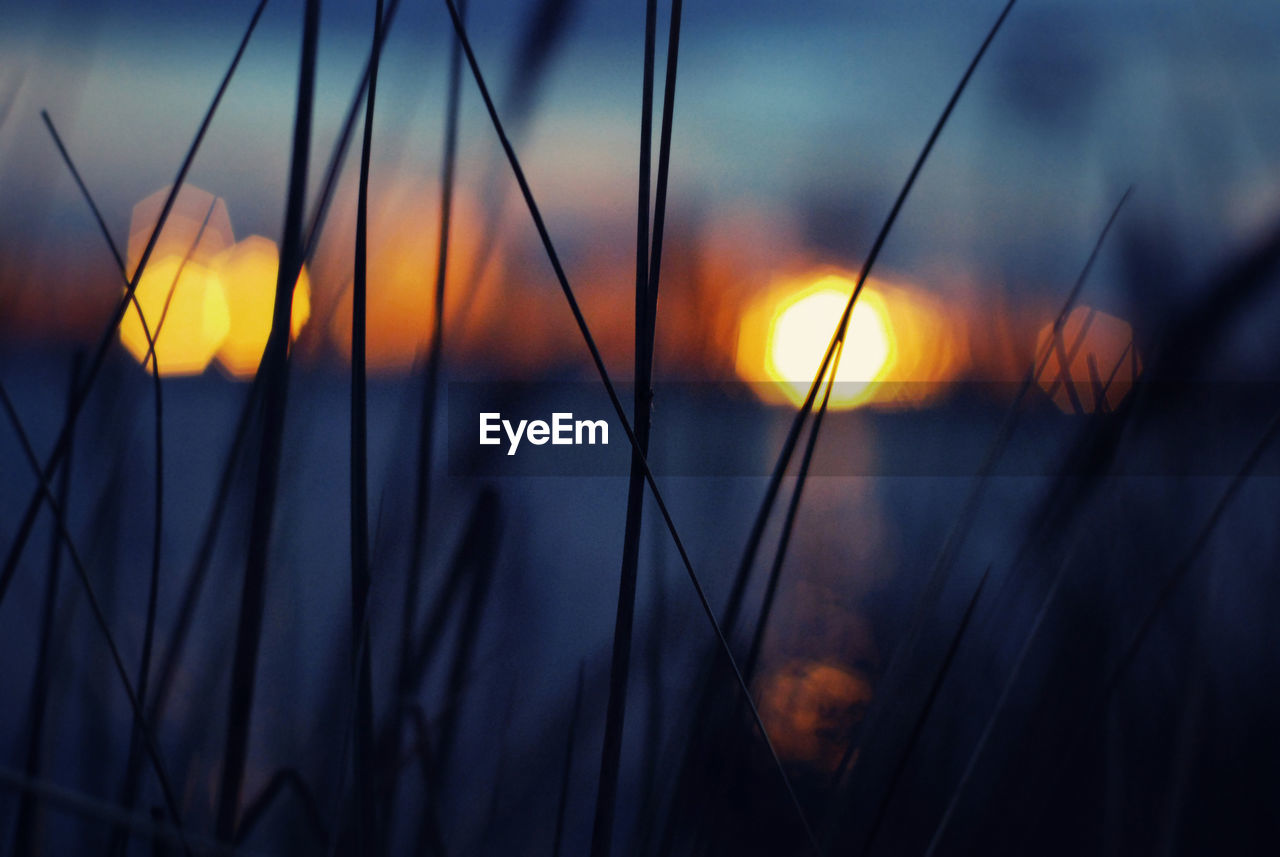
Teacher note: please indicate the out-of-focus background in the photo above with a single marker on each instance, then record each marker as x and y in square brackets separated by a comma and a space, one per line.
[1112, 689]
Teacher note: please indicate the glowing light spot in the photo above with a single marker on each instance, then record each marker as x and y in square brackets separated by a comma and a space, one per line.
[901, 346]
[402, 264]
[802, 329]
[248, 272]
[186, 311]
[797, 334]
[810, 709]
[1089, 364]
[198, 227]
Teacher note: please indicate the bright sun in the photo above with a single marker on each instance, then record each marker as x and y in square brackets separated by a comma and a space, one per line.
[801, 330]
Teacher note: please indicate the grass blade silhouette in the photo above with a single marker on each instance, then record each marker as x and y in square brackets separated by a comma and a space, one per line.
[614, 400]
[274, 368]
[738, 590]
[426, 763]
[204, 554]
[664, 160]
[282, 782]
[183, 624]
[620, 668]
[793, 434]
[133, 767]
[1130, 651]
[95, 606]
[366, 826]
[86, 806]
[36, 710]
[566, 770]
[320, 211]
[133, 764]
[476, 559]
[793, 507]
[431, 379]
[880, 717]
[917, 726]
[14, 554]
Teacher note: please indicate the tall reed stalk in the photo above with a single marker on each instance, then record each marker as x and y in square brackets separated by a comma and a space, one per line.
[274, 369]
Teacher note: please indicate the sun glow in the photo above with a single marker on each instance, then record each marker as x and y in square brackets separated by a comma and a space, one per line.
[899, 350]
[782, 342]
[802, 329]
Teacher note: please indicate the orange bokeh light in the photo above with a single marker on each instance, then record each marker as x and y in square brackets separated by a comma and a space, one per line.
[248, 272]
[186, 312]
[810, 709]
[1088, 364]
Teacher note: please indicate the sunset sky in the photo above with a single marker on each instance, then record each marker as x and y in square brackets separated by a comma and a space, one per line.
[793, 133]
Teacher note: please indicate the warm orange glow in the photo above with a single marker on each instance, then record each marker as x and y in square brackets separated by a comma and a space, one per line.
[184, 301]
[802, 328]
[799, 329]
[180, 293]
[898, 349]
[248, 272]
[1090, 363]
[810, 709]
[402, 262]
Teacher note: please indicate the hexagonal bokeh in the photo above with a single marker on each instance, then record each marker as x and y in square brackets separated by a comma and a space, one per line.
[248, 273]
[197, 227]
[186, 312]
[1090, 364]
